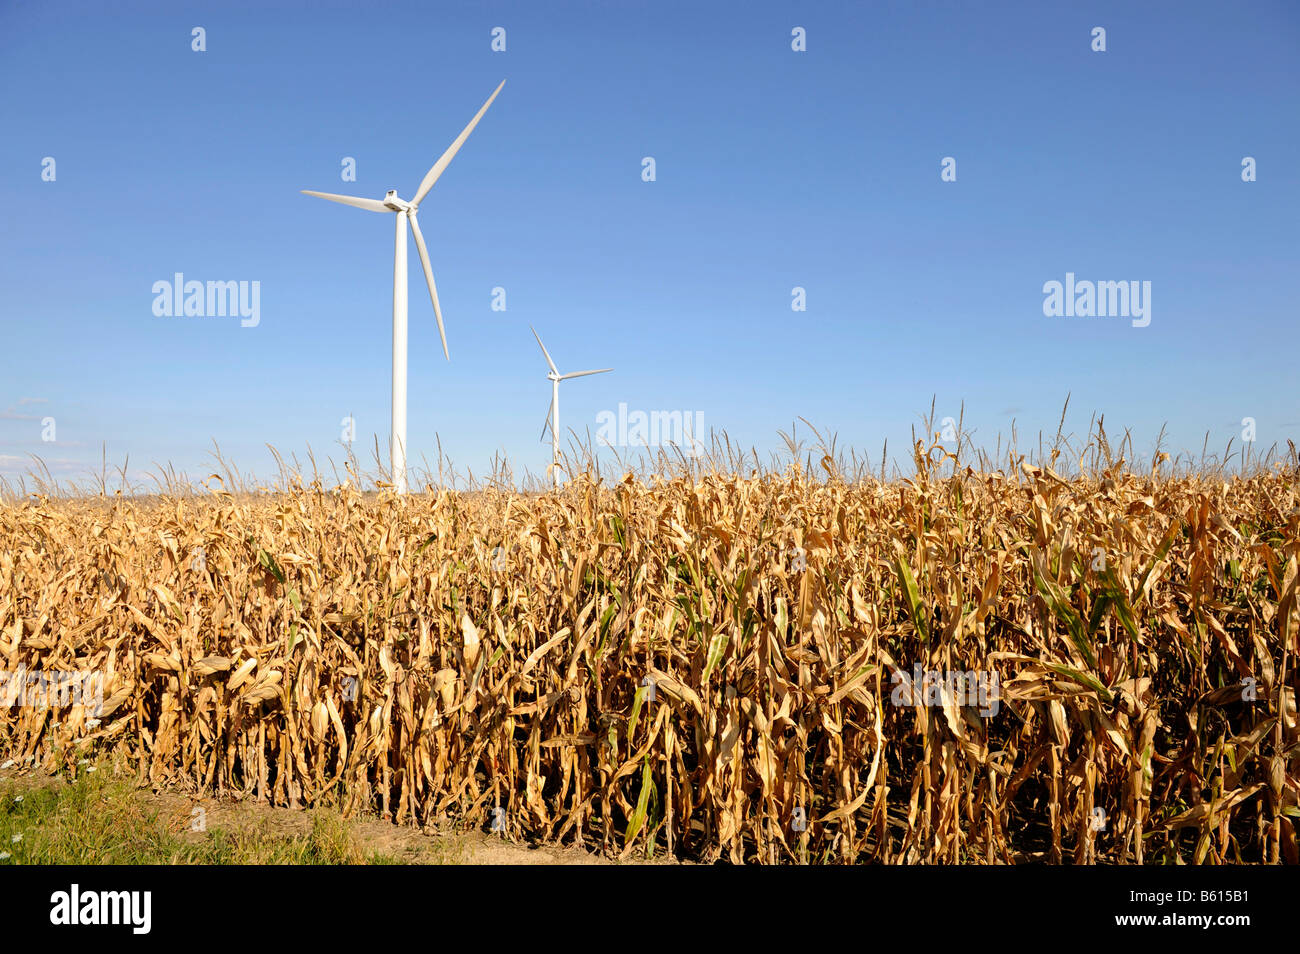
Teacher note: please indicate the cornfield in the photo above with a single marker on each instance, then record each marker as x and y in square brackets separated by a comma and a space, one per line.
[704, 664]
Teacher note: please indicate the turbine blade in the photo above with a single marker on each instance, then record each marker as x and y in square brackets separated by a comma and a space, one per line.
[444, 160]
[372, 205]
[547, 426]
[428, 277]
[580, 374]
[554, 369]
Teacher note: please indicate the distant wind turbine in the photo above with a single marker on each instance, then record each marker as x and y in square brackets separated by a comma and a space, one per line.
[406, 213]
[553, 415]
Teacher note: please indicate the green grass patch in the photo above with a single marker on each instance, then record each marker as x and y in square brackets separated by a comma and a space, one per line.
[99, 820]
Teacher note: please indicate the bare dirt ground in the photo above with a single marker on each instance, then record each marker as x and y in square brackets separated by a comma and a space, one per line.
[404, 844]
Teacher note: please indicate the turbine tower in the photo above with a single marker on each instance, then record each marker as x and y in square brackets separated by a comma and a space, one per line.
[406, 214]
[553, 415]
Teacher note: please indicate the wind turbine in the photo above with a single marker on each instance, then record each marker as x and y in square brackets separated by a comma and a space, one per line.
[406, 213]
[553, 415]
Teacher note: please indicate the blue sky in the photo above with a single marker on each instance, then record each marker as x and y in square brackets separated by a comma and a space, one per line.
[774, 169]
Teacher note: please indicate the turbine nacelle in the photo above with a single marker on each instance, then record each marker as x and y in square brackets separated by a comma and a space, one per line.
[391, 201]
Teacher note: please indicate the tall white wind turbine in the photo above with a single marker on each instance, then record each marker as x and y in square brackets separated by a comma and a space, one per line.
[553, 415]
[406, 213]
